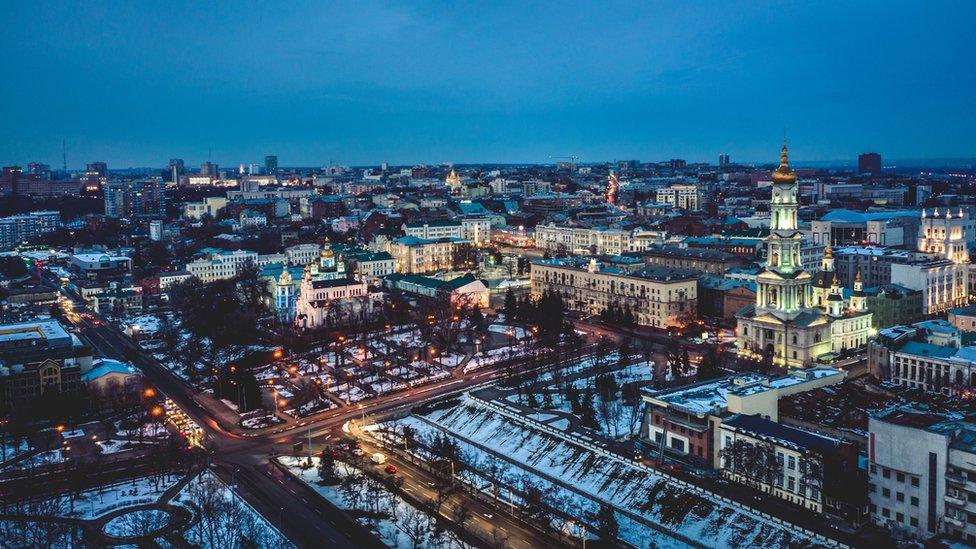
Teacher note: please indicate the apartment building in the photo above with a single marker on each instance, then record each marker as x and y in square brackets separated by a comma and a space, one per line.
[414, 255]
[944, 284]
[221, 264]
[922, 474]
[595, 240]
[656, 296]
[713, 262]
[17, 229]
[433, 229]
[686, 197]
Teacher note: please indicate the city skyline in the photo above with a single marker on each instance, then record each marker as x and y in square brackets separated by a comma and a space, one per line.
[436, 83]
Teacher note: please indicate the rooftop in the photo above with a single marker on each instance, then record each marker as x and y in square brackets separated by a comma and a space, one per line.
[778, 432]
[850, 216]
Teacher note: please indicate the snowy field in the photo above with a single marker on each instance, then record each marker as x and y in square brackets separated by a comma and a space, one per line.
[397, 523]
[224, 518]
[614, 417]
[642, 496]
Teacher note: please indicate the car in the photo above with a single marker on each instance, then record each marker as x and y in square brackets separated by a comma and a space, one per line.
[489, 516]
[357, 451]
[391, 469]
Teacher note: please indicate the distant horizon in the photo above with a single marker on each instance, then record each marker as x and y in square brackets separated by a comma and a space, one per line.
[893, 163]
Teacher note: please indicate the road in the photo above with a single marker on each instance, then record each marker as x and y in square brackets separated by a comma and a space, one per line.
[303, 516]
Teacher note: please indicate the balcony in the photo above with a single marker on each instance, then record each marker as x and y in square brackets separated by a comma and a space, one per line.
[955, 499]
[955, 478]
[955, 521]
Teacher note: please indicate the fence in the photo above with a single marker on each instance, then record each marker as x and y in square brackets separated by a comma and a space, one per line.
[519, 418]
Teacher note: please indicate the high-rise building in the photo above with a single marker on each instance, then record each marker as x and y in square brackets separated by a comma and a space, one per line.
[19, 228]
[210, 169]
[38, 170]
[254, 169]
[677, 163]
[142, 198]
[96, 174]
[869, 163]
[271, 164]
[723, 160]
[10, 180]
[176, 168]
[97, 168]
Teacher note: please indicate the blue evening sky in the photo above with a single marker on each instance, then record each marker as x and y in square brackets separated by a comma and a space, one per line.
[136, 83]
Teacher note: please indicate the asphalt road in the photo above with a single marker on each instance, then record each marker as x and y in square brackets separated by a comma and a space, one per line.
[304, 517]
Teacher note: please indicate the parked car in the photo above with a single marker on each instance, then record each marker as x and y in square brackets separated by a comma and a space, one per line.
[391, 469]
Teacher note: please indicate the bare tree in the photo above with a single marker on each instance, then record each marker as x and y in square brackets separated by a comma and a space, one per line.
[416, 525]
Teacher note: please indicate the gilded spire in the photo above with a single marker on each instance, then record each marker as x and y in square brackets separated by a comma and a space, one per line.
[857, 277]
[783, 174]
[828, 253]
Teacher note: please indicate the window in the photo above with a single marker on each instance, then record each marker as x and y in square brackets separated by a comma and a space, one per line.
[915, 482]
[899, 496]
[900, 517]
[886, 492]
[914, 501]
[791, 464]
[913, 521]
[885, 512]
[886, 473]
[791, 484]
[900, 477]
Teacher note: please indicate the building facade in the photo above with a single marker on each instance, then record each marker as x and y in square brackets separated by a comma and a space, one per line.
[795, 321]
[657, 297]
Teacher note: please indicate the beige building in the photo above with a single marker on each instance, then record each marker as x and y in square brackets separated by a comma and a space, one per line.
[420, 255]
[656, 296]
[596, 240]
[685, 197]
[209, 206]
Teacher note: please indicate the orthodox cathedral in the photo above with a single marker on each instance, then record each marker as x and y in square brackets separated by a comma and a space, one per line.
[797, 317]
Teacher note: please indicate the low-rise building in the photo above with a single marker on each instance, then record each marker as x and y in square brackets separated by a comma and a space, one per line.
[714, 262]
[100, 265]
[415, 255]
[464, 291]
[683, 424]
[219, 264]
[433, 229]
[37, 358]
[811, 470]
[211, 206]
[658, 297]
[686, 197]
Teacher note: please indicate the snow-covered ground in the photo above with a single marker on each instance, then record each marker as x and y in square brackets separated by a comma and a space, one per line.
[614, 417]
[226, 518]
[9, 449]
[394, 520]
[590, 478]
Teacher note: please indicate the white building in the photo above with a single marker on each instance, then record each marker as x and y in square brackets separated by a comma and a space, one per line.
[686, 197]
[922, 469]
[943, 283]
[477, 229]
[302, 254]
[597, 240]
[434, 229]
[221, 265]
[796, 319]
